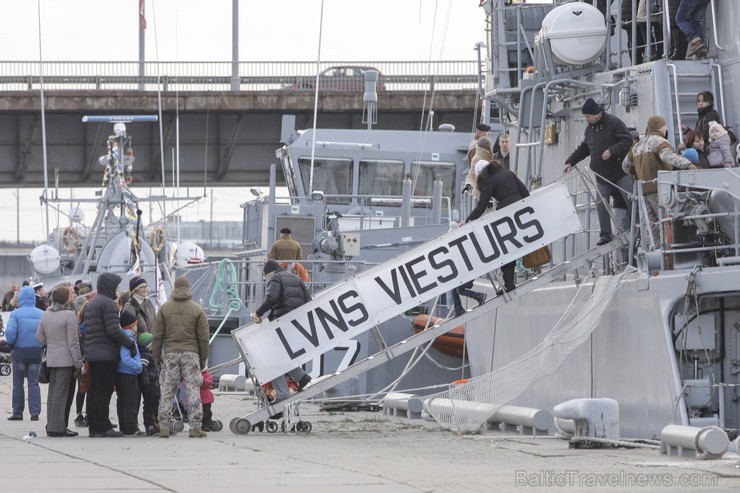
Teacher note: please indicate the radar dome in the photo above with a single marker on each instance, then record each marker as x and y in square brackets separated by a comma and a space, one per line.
[576, 31]
[45, 259]
[188, 254]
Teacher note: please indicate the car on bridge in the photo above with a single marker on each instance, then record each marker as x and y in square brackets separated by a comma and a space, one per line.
[338, 78]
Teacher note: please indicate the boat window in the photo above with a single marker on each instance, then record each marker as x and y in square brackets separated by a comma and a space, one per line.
[333, 176]
[424, 173]
[380, 177]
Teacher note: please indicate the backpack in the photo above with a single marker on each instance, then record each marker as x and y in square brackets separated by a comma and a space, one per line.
[733, 137]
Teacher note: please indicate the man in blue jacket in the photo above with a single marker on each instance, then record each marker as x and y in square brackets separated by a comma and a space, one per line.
[26, 354]
[103, 338]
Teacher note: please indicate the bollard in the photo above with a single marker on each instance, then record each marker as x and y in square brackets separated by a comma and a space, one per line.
[688, 441]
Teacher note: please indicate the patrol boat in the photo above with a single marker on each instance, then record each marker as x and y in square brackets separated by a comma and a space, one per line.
[119, 240]
[648, 323]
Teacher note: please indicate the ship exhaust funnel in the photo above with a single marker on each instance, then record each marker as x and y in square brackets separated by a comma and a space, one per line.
[370, 99]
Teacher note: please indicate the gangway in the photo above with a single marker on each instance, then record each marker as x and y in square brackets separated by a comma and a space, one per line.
[243, 425]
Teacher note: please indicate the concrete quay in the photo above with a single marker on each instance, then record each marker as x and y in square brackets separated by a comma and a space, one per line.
[358, 452]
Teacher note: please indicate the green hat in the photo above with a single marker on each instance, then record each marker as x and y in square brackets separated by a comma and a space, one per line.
[145, 339]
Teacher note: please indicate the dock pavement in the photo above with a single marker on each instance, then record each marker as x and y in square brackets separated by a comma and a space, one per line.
[347, 452]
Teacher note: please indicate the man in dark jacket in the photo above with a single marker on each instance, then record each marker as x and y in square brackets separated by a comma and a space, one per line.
[180, 349]
[607, 141]
[494, 181]
[284, 293]
[103, 338]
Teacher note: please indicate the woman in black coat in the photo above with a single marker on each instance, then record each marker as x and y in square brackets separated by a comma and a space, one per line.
[494, 181]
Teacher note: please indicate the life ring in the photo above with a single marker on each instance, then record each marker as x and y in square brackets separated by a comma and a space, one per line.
[158, 239]
[70, 239]
[298, 270]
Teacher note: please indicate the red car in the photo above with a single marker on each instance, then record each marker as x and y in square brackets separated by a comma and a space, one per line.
[340, 78]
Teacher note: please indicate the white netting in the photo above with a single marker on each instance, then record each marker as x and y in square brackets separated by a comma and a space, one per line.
[468, 406]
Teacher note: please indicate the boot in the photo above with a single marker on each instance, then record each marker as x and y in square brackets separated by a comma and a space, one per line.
[164, 432]
[304, 381]
[480, 298]
[459, 310]
[197, 433]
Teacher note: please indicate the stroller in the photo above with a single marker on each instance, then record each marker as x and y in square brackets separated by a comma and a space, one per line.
[180, 416]
[5, 361]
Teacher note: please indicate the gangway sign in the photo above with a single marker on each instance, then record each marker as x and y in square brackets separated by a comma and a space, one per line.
[356, 304]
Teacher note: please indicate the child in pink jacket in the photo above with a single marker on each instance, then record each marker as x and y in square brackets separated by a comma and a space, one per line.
[206, 398]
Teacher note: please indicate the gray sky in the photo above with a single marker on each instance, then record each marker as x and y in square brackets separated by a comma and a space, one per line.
[200, 30]
[286, 30]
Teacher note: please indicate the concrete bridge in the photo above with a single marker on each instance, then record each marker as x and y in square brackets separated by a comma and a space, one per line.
[227, 137]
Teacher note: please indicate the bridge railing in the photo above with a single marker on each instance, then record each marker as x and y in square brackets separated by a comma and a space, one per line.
[252, 76]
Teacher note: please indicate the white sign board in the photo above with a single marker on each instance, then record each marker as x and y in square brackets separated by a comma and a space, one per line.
[356, 304]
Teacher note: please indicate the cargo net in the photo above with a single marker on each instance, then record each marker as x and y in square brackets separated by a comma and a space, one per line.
[467, 407]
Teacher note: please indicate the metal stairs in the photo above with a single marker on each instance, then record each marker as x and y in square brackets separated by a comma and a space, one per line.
[687, 79]
[243, 424]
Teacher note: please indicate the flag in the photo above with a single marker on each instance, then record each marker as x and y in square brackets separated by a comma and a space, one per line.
[135, 269]
[141, 14]
[161, 295]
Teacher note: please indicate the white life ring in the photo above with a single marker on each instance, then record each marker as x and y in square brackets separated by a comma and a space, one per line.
[71, 239]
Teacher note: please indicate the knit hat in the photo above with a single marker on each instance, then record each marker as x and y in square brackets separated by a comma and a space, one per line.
[145, 339]
[135, 282]
[655, 123]
[590, 107]
[285, 231]
[716, 127]
[128, 319]
[691, 154]
[182, 282]
[270, 266]
[480, 165]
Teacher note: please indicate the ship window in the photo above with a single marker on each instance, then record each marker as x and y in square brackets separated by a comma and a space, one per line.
[379, 177]
[330, 175]
[423, 174]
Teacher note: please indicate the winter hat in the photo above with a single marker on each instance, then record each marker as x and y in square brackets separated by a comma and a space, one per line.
[135, 282]
[590, 107]
[182, 282]
[717, 128]
[128, 319]
[270, 266]
[145, 339]
[691, 154]
[285, 231]
[480, 165]
[482, 127]
[655, 123]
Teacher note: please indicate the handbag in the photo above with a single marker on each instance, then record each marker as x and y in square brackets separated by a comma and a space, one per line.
[539, 257]
[44, 372]
[84, 382]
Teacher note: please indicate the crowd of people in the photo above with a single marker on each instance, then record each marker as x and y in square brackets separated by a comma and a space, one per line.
[94, 342]
[618, 156]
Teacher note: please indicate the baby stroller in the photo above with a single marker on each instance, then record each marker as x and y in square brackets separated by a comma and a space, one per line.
[266, 394]
[180, 416]
[5, 361]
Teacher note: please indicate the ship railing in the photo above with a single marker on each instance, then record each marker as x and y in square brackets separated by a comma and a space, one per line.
[424, 209]
[251, 283]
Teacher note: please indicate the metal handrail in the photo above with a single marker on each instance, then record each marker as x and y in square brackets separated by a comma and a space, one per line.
[216, 76]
